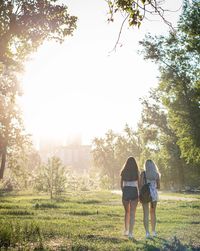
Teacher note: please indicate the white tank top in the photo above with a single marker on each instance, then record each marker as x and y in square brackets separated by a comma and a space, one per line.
[133, 183]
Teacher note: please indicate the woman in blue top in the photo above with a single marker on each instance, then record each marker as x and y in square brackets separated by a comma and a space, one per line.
[129, 185]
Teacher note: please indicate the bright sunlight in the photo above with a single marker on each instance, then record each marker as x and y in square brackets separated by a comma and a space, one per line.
[69, 91]
[78, 87]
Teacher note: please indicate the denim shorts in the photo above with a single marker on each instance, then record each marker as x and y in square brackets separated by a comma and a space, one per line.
[129, 193]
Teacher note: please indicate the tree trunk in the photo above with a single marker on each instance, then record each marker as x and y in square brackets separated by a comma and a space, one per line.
[3, 163]
[51, 194]
[113, 180]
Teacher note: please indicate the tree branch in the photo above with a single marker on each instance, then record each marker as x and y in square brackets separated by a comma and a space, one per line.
[119, 35]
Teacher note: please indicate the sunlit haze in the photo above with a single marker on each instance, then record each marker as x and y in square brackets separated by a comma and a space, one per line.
[79, 87]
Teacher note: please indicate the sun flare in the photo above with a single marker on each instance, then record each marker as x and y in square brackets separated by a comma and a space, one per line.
[70, 89]
[50, 100]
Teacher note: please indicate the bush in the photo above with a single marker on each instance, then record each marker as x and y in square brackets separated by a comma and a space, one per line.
[45, 205]
[7, 186]
[12, 234]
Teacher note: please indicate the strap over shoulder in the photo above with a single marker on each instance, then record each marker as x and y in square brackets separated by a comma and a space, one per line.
[145, 178]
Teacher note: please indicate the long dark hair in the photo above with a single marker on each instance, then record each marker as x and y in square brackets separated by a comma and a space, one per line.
[130, 170]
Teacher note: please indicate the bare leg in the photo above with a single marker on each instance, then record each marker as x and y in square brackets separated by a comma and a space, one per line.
[133, 206]
[153, 215]
[146, 216]
[126, 205]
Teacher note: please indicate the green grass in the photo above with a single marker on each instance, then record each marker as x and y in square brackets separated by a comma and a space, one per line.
[93, 221]
[185, 194]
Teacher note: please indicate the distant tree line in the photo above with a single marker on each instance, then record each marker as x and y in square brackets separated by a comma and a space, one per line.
[169, 129]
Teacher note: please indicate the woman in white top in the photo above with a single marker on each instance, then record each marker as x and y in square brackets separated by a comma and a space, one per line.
[153, 178]
[129, 185]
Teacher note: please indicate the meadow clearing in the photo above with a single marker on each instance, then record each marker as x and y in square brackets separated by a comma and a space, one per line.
[86, 220]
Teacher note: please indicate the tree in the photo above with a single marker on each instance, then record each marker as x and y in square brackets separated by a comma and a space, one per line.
[160, 141]
[104, 156]
[11, 127]
[179, 81]
[178, 93]
[24, 26]
[111, 152]
[128, 144]
[135, 12]
[52, 177]
[22, 165]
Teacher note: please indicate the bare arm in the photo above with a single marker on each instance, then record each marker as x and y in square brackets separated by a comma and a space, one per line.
[138, 180]
[121, 183]
[158, 183]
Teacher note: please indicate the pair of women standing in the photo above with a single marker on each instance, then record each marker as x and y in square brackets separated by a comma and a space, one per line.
[131, 182]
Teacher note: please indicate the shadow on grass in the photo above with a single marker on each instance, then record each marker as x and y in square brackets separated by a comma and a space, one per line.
[174, 244]
[45, 205]
[48, 200]
[16, 212]
[195, 222]
[100, 238]
[161, 244]
[12, 206]
[88, 202]
[82, 213]
[190, 206]
[149, 247]
[113, 214]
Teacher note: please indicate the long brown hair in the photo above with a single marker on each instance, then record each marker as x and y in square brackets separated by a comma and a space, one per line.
[130, 170]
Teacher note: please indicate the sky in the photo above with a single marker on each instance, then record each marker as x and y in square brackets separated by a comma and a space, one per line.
[82, 87]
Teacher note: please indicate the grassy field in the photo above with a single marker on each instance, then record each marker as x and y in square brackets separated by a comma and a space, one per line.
[93, 221]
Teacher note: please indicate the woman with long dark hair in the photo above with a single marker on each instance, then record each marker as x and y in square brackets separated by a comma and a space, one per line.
[129, 185]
